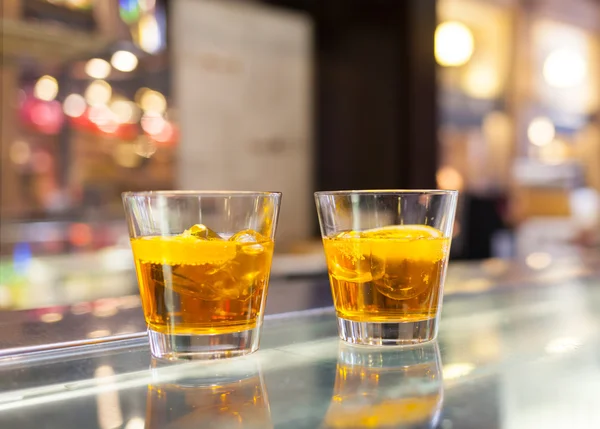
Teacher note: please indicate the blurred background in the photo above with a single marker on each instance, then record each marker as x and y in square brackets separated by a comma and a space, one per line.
[499, 99]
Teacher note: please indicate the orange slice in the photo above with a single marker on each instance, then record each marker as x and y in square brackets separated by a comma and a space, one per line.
[403, 232]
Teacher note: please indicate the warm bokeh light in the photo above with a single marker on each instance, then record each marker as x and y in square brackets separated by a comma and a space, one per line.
[482, 81]
[101, 115]
[149, 34]
[79, 4]
[541, 131]
[111, 126]
[139, 94]
[153, 102]
[80, 234]
[124, 61]
[166, 134]
[449, 178]
[51, 317]
[454, 44]
[538, 260]
[47, 116]
[126, 112]
[98, 92]
[153, 124]
[564, 68]
[74, 105]
[97, 68]
[46, 88]
[145, 147]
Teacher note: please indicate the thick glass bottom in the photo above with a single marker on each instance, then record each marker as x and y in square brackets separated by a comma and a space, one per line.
[202, 347]
[388, 333]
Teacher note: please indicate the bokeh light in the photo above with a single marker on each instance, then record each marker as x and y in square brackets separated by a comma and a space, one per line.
[454, 44]
[47, 116]
[101, 115]
[153, 102]
[46, 88]
[449, 178]
[74, 105]
[153, 123]
[166, 134]
[482, 81]
[126, 112]
[98, 92]
[148, 36]
[129, 11]
[538, 260]
[80, 234]
[124, 61]
[97, 68]
[51, 317]
[564, 68]
[111, 126]
[145, 147]
[541, 131]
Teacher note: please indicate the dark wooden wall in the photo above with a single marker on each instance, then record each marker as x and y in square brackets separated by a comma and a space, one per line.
[375, 92]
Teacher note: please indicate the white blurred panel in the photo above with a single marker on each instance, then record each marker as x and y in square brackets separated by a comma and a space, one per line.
[243, 83]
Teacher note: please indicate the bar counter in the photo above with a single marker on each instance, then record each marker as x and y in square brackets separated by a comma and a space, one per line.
[519, 347]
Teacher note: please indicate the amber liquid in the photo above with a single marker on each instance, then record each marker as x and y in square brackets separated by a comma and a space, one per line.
[241, 404]
[383, 277]
[193, 286]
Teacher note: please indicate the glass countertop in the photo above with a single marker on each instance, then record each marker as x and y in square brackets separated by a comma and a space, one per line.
[511, 358]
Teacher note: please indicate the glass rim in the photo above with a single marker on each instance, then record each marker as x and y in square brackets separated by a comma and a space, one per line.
[191, 193]
[389, 192]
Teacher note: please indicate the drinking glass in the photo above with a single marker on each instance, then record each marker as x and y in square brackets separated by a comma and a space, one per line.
[203, 261]
[387, 253]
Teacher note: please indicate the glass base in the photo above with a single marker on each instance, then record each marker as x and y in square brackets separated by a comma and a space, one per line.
[387, 334]
[202, 347]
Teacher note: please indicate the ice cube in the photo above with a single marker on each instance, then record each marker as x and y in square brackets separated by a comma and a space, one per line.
[406, 279]
[202, 232]
[246, 237]
[345, 235]
[366, 269]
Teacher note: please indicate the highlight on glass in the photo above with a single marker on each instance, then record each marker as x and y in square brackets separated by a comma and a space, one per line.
[203, 261]
[387, 253]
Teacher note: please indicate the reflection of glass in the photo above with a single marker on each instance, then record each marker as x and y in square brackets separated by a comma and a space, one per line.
[203, 261]
[218, 402]
[386, 388]
[387, 253]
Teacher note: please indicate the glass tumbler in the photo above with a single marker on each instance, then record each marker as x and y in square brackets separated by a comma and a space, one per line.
[387, 253]
[203, 261]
